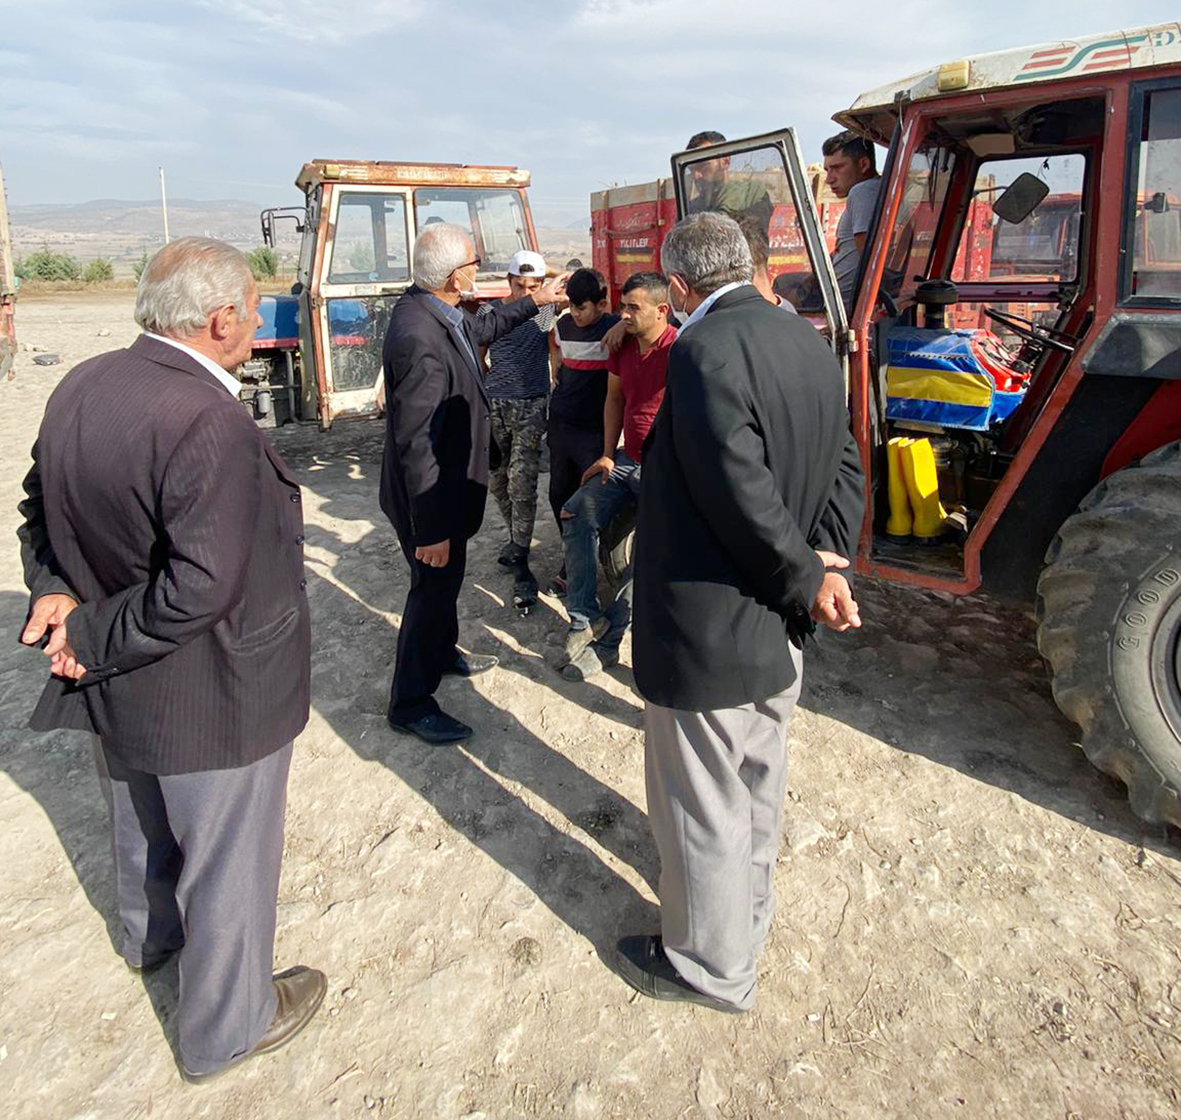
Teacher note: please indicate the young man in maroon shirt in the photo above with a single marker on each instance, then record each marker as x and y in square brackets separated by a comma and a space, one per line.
[611, 484]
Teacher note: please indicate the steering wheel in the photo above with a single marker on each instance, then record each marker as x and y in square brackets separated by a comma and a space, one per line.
[1045, 337]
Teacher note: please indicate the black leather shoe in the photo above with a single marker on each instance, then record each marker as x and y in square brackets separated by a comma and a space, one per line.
[300, 992]
[471, 664]
[640, 962]
[152, 964]
[435, 728]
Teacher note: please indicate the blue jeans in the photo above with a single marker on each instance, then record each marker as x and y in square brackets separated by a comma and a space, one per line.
[592, 509]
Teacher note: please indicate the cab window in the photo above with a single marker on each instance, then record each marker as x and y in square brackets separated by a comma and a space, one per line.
[927, 180]
[1154, 203]
[370, 244]
[752, 185]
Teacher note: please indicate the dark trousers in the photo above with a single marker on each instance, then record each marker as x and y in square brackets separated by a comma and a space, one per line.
[197, 860]
[430, 629]
[571, 451]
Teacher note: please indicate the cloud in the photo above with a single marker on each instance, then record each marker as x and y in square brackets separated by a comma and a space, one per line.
[236, 94]
[327, 22]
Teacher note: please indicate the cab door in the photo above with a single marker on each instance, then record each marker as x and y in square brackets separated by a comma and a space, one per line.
[363, 269]
[762, 179]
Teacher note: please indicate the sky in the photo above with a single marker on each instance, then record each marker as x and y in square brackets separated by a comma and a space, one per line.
[231, 97]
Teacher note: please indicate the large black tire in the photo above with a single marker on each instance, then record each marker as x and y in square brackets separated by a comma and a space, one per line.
[615, 547]
[1109, 614]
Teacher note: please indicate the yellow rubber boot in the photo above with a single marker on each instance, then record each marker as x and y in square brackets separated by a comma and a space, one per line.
[899, 524]
[922, 486]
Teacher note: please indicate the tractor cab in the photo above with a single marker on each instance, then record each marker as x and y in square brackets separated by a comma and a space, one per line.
[318, 354]
[1017, 322]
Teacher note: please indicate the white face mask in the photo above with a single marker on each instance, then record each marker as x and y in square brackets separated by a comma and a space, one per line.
[672, 300]
[470, 291]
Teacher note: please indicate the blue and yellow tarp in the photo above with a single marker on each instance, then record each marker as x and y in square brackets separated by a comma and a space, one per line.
[937, 377]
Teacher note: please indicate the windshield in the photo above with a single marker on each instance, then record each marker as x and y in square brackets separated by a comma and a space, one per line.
[1042, 247]
[495, 218]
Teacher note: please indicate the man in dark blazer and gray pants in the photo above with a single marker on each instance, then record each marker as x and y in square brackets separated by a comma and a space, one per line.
[162, 545]
[751, 499]
[434, 475]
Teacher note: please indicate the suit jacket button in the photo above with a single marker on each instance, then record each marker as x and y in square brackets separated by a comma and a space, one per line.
[295, 497]
[303, 584]
[300, 539]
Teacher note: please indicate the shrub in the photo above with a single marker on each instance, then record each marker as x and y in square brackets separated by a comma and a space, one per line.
[45, 264]
[264, 263]
[98, 270]
[138, 266]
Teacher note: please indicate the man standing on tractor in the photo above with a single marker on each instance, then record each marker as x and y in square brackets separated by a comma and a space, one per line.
[850, 173]
[715, 189]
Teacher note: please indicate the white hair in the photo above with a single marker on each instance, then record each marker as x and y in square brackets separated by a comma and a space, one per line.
[439, 250]
[708, 250]
[187, 281]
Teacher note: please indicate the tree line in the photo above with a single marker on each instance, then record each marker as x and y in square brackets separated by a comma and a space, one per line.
[45, 264]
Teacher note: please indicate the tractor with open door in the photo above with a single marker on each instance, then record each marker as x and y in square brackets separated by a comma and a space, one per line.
[1050, 439]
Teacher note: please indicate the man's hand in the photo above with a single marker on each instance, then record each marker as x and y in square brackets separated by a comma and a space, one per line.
[615, 336]
[49, 614]
[602, 466]
[834, 605]
[552, 291]
[434, 555]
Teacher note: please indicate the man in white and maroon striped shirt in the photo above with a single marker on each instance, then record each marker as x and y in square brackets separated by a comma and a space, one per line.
[575, 430]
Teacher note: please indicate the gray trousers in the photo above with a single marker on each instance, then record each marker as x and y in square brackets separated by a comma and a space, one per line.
[715, 785]
[197, 860]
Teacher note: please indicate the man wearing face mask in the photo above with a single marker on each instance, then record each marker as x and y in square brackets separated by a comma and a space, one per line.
[434, 478]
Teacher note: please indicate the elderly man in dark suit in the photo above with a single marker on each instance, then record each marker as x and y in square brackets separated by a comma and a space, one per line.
[162, 545]
[434, 478]
[751, 500]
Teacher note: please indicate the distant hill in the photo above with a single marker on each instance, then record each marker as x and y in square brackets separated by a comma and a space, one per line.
[231, 219]
[122, 230]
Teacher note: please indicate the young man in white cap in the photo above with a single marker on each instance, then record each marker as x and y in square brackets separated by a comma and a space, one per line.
[518, 384]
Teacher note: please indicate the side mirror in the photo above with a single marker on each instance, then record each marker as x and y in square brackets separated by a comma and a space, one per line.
[1020, 198]
[1158, 203]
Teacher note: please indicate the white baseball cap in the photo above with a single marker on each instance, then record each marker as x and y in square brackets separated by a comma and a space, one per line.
[527, 263]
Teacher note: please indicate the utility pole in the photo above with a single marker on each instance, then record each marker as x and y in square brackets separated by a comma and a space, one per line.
[7, 289]
[164, 206]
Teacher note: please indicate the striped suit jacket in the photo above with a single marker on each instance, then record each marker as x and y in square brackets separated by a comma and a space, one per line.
[155, 501]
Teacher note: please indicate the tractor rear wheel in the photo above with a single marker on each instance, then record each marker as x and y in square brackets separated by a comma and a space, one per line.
[1109, 614]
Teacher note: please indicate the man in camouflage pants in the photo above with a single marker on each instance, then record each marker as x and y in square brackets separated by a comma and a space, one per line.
[518, 384]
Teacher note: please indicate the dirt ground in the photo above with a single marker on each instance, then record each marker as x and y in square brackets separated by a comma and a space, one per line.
[971, 921]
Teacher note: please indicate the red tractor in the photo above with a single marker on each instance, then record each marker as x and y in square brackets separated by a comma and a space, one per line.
[1034, 190]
